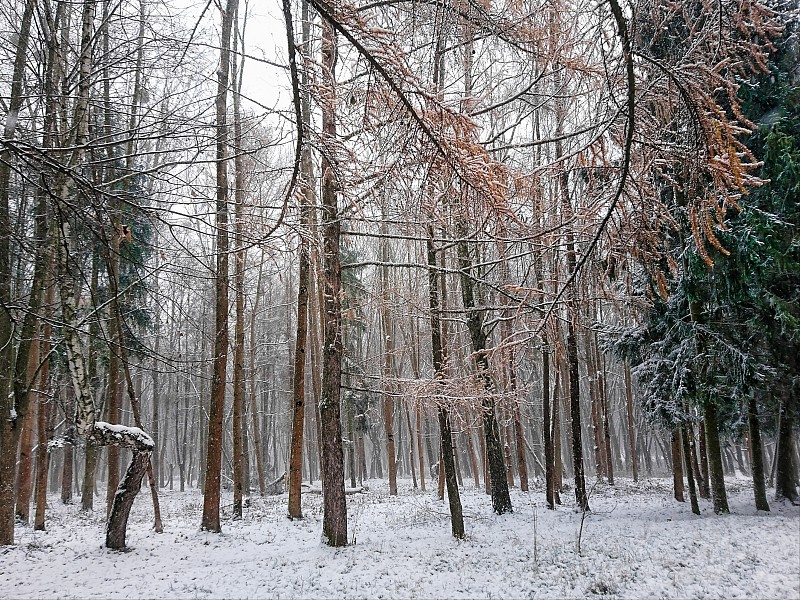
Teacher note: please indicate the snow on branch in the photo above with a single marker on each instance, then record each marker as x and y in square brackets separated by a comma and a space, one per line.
[106, 434]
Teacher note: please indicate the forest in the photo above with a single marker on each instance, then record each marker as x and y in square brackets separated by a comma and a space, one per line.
[510, 269]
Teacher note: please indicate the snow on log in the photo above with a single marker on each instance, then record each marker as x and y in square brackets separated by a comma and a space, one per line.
[276, 487]
[106, 434]
[310, 489]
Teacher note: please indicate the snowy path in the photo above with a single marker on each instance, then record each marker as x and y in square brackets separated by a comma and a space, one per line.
[638, 543]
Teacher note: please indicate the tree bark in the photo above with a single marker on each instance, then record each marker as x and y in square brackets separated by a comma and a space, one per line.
[786, 469]
[420, 451]
[11, 415]
[334, 520]
[705, 481]
[558, 463]
[411, 460]
[717, 473]
[42, 416]
[42, 453]
[756, 455]
[114, 395]
[685, 432]
[446, 434]
[211, 496]
[633, 455]
[572, 309]
[25, 469]
[90, 451]
[68, 451]
[254, 412]
[547, 441]
[388, 351]
[601, 388]
[123, 500]
[156, 398]
[501, 499]
[239, 265]
[677, 465]
[308, 201]
[698, 477]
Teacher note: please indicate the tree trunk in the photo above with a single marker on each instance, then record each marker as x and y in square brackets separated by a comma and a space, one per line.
[42, 453]
[717, 474]
[786, 469]
[388, 350]
[453, 496]
[601, 387]
[298, 376]
[677, 465]
[596, 411]
[25, 469]
[334, 520]
[558, 463]
[633, 455]
[239, 265]
[501, 500]
[705, 485]
[90, 452]
[114, 395]
[11, 415]
[156, 400]
[689, 433]
[575, 409]
[254, 412]
[572, 342]
[69, 452]
[547, 441]
[756, 455]
[211, 496]
[420, 451]
[42, 416]
[519, 440]
[496, 472]
[411, 460]
[308, 202]
[685, 432]
[123, 500]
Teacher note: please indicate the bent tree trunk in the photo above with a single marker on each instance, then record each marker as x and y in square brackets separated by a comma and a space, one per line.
[105, 434]
[97, 432]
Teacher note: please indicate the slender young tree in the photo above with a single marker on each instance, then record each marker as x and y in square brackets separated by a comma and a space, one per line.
[240, 258]
[388, 352]
[308, 201]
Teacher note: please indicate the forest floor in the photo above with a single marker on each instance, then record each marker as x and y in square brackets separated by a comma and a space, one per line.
[636, 543]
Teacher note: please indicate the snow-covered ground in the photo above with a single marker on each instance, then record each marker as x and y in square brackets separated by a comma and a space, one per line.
[637, 543]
